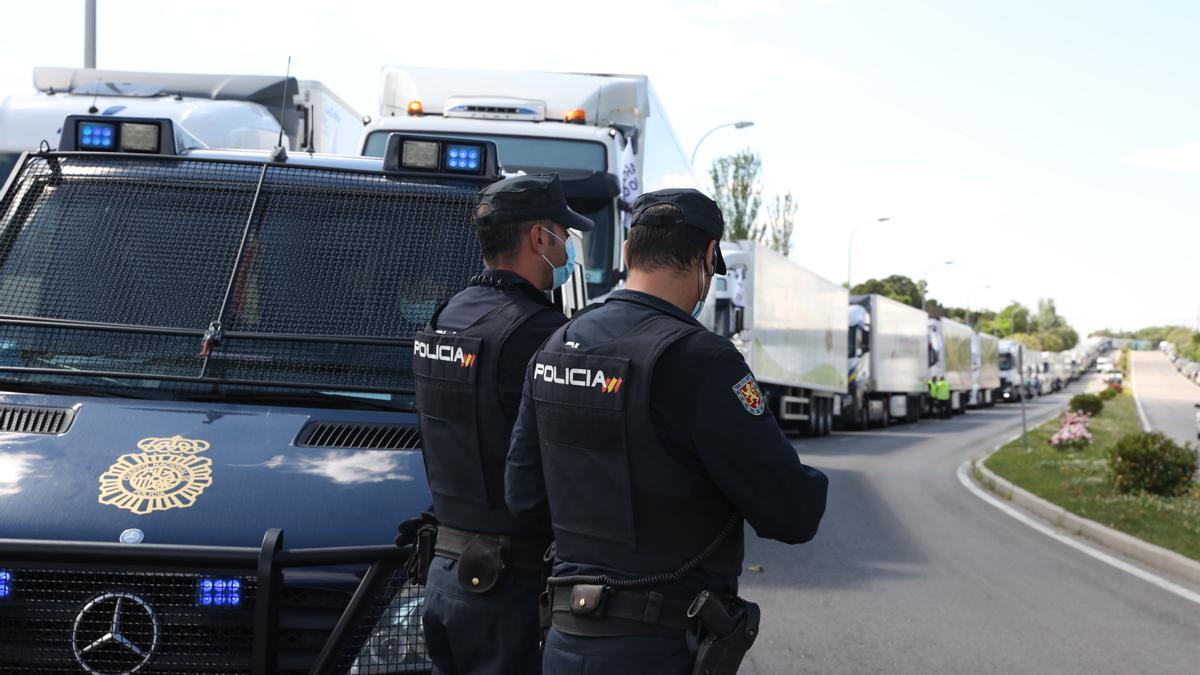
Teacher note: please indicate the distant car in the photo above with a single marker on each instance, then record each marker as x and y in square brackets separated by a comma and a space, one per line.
[1198, 421]
[1113, 377]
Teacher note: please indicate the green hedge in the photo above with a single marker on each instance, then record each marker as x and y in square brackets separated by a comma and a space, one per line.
[1151, 462]
[1087, 403]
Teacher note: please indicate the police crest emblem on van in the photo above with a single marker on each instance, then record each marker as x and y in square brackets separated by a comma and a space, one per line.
[166, 474]
[748, 393]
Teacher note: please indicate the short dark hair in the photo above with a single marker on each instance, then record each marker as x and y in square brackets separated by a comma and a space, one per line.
[500, 241]
[653, 245]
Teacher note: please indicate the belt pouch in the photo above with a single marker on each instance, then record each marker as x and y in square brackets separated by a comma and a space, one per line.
[480, 565]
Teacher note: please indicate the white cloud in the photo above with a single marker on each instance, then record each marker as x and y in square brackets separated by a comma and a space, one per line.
[1184, 157]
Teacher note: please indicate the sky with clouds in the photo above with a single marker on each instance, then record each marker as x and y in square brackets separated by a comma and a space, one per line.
[1049, 148]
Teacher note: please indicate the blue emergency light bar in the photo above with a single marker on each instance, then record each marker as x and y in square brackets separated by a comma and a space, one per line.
[6, 579]
[213, 592]
[101, 133]
[441, 155]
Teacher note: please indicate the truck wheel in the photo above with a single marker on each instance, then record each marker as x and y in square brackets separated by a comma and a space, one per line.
[827, 417]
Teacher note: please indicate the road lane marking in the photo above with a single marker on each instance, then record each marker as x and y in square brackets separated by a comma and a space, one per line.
[1144, 575]
[1145, 422]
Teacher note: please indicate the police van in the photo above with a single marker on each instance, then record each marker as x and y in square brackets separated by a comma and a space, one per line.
[207, 435]
[606, 135]
[220, 111]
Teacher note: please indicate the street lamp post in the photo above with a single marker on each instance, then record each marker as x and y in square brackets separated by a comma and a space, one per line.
[735, 125]
[925, 276]
[850, 248]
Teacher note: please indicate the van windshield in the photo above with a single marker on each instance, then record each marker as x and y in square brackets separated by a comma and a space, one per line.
[8, 160]
[185, 276]
[533, 154]
[1006, 361]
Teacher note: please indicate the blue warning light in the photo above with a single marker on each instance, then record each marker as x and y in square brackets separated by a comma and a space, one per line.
[96, 135]
[214, 592]
[464, 158]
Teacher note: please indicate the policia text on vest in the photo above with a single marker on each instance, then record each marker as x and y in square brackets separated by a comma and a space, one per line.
[646, 438]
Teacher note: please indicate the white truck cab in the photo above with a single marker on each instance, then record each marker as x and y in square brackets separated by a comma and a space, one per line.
[220, 111]
[606, 135]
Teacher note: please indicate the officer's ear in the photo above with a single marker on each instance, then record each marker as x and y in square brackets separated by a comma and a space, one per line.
[533, 238]
[710, 259]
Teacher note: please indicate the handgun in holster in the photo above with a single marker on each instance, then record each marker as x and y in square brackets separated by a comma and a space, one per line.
[726, 627]
[422, 554]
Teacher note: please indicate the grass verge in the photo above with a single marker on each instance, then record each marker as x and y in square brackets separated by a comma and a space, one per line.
[1078, 481]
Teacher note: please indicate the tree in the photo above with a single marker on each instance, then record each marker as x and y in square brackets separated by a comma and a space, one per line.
[781, 220]
[897, 287]
[737, 189]
[1012, 319]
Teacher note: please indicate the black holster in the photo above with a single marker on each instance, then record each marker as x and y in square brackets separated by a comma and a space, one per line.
[725, 627]
[422, 554]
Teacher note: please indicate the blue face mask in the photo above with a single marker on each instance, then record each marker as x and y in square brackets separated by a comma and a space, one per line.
[697, 309]
[561, 272]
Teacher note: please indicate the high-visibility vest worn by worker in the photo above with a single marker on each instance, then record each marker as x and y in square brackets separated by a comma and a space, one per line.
[932, 389]
[943, 390]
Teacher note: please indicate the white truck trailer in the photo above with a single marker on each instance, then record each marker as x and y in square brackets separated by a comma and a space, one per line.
[243, 112]
[950, 358]
[985, 370]
[1011, 366]
[607, 136]
[790, 324]
[888, 364]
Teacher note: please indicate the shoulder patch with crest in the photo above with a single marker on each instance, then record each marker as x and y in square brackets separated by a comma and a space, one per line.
[749, 394]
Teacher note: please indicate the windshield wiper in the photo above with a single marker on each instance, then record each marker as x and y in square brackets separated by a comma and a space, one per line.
[324, 399]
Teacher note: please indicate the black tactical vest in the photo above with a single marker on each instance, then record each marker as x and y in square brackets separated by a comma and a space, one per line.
[620, 498]
[464, 431]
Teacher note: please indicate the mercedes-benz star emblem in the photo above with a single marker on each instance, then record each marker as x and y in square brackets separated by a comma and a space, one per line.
[114, 634]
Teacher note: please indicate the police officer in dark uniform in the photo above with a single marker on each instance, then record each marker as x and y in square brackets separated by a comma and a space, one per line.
[488, 567]
[648, 440]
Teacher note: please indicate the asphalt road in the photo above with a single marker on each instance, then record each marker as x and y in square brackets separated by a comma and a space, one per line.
[1167, 398]
[911, 573]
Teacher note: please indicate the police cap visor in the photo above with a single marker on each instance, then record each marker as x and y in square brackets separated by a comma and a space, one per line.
[520, 199]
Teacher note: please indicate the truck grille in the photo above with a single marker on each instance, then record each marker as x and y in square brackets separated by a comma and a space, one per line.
[40, 609]
[50, 614]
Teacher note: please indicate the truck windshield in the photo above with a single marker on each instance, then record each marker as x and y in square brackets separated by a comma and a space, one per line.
[185, 277]
[534, 154]
[1006, 361]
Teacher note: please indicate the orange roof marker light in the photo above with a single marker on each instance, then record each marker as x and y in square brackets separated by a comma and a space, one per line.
[576, 116]
[415, 108]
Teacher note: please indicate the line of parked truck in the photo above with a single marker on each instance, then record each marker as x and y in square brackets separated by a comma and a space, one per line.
[824, 358]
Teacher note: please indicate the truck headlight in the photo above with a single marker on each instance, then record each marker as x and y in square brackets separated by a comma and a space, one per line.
[397, 642]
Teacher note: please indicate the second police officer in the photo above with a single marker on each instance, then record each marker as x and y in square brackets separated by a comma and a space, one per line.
[647, 439]
[487, 569]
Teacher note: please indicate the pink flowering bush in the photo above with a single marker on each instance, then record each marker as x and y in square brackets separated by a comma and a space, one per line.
[1074, 434]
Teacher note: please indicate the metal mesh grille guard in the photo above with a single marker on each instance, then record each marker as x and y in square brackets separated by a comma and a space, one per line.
[207, 270]
[63, 594]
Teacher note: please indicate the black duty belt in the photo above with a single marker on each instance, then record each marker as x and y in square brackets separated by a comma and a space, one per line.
[601, 611]
[522, 551]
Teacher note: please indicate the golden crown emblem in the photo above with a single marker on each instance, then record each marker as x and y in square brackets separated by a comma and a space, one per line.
[174, 444]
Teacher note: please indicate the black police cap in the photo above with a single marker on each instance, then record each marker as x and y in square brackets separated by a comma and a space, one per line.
[518, 199]
[691, 208]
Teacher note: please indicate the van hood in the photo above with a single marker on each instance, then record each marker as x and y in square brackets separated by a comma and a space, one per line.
[208, 474]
